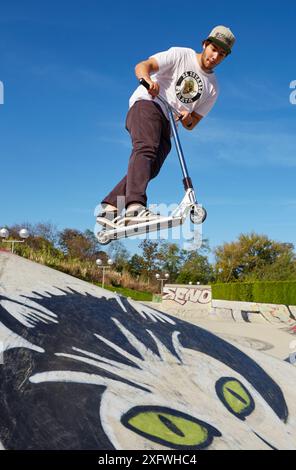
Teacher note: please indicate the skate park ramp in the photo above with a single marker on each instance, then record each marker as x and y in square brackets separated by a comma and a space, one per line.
[82, 368]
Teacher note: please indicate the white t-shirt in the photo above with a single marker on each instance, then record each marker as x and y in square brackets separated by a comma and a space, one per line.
[182, 82]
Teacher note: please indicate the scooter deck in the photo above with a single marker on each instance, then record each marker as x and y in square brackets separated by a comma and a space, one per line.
[144, 227]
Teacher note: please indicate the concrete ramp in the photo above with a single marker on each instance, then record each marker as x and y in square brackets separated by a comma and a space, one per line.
[83, 368]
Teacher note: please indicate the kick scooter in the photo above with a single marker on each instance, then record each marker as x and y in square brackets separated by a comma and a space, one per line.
[188, 205]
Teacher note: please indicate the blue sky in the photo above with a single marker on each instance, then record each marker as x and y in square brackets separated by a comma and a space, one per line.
[68, 72]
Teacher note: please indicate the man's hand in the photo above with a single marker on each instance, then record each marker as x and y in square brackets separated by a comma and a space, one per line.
[154, 88]
[189, 120]
[186, 119]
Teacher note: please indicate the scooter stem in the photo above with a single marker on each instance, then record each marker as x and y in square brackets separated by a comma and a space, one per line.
[186, 178]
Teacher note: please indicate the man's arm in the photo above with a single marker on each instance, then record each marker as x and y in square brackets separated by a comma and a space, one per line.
[144, 69]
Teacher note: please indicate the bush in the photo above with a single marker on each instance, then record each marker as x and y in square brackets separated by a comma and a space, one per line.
[271, 292]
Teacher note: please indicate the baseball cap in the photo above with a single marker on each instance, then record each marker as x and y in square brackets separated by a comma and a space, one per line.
[223, 37]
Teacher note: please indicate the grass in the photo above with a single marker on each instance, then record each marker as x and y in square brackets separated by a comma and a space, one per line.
[133, 294]
[88, 271]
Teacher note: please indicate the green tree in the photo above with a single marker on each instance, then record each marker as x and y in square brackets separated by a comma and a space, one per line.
[150, 257]
[136, 265]
[255, 257]
[120, 256]
[170, 259]
[94, 251]
[283, 269]
[196, 268]
[75, 244]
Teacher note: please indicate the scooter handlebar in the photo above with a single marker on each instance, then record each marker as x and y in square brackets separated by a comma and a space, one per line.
[144, 83]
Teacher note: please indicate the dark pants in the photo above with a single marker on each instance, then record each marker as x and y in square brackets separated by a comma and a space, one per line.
[150, 134]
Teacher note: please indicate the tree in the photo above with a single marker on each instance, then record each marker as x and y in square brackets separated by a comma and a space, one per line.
[283, 269]
[170, 259]
[75, 244]
[120, 256]
[150, 257]
[48, 231]
[255, 257]
[37, 240]
[94, 251]
[136, 265]
[196, 268]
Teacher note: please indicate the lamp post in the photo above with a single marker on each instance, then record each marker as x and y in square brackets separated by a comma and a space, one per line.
[100, 264]
[23, 233]
[162, 279]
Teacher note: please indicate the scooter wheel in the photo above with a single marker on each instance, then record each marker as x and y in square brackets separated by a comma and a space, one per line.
[198, 215]
[103, 238]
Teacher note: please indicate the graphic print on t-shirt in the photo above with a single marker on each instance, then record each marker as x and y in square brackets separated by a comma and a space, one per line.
[189, 87]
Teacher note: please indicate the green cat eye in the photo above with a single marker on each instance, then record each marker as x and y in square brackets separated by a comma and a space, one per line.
[169, 427]
[235, 397]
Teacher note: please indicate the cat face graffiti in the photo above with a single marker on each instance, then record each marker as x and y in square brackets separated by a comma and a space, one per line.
[160, 383]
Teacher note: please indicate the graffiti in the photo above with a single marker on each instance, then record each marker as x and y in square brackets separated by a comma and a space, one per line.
[182, 295]
[85, 369]
[251, 312]
[248, 342]
[186, 432]
[292, 330]
[144, 380]
[292, 355]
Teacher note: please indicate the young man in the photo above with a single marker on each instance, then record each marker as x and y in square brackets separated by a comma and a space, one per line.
[186, 79]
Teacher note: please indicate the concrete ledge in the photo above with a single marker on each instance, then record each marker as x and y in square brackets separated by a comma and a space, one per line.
[253, 312]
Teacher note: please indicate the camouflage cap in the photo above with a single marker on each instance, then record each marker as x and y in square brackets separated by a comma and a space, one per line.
[223, 37]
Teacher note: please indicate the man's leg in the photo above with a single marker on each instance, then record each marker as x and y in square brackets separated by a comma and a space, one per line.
[146, 126]
[118, 191]
[136, 211]
[163, 149]
[145, 123]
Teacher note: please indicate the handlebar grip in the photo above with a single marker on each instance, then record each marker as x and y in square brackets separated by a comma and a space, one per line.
[144, 83]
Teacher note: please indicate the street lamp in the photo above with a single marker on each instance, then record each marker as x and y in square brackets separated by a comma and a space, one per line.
[162, 279]
[4, 233]
[100, 264]
[23, 233]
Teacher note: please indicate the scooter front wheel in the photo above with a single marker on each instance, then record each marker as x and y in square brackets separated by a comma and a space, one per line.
[103, 238]
[198, 214]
